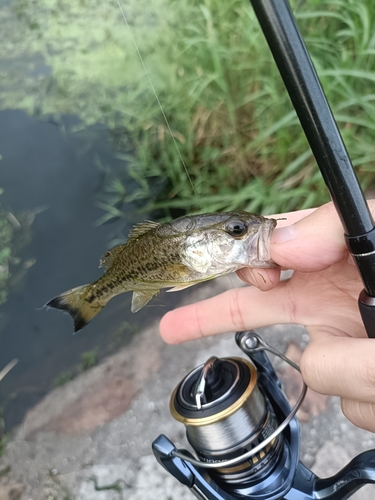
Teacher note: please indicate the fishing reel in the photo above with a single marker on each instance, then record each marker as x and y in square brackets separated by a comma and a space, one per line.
[246, 436]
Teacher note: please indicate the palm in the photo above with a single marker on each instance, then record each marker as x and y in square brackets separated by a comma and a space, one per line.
[326, 301]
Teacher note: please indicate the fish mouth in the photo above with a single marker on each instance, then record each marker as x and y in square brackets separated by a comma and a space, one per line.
[259, 245]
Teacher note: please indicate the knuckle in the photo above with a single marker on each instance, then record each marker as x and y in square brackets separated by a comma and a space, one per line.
[359, 413]
[367, 372]
[309, 371]
[235, 310]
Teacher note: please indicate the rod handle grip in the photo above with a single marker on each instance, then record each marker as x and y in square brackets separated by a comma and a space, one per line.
[366, 305]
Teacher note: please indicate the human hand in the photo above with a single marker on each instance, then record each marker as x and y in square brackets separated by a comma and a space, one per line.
[322, 294]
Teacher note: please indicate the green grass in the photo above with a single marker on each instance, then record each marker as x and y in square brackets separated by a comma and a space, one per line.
[230, 117]
[89, 359]
[6, 237]
[15, 235]
[63, 378]
[3, 436]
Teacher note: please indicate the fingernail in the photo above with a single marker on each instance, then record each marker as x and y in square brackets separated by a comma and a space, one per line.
[283, 234]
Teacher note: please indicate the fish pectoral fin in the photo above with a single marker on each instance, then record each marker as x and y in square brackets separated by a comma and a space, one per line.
[181, 287]
[140, 299]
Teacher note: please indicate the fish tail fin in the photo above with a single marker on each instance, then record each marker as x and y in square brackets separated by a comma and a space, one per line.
[76, 302]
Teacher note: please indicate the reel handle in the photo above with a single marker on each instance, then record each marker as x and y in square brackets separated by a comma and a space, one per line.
[360, 471]
[306, 485]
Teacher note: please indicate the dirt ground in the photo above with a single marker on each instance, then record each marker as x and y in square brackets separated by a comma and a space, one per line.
[91, 439]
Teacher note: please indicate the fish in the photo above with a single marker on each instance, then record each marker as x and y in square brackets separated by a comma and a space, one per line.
[176, 255]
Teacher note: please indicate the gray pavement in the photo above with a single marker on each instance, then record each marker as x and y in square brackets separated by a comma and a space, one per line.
[97, 431]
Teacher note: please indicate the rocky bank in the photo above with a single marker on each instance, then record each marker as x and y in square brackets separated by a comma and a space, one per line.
[91, 439]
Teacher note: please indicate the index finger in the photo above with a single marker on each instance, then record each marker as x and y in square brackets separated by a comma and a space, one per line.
[236, 309]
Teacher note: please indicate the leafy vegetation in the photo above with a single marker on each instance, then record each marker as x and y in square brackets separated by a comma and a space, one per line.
[89, 359]
[62, 379]
[230, 118]
[15, 234]
[3, 436]
[6, 235]
[3, 443]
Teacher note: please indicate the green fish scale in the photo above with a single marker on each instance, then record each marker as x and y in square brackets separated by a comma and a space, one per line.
[141, 263]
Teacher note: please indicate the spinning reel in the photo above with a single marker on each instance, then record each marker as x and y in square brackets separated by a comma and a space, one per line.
[246, 435]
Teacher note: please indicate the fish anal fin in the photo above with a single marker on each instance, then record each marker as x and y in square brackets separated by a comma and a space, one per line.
[140, 299]
[142, 228]
[181, 287]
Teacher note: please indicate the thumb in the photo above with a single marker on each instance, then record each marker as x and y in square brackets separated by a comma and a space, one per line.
[311, 244]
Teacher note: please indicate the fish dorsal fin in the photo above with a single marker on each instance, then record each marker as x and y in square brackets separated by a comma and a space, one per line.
[142, 228]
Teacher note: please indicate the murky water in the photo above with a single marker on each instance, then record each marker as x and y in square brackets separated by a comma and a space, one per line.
[42, 168]
[63, 66]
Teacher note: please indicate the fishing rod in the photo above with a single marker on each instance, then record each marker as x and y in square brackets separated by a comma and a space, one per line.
[302, 83]
[238, 421]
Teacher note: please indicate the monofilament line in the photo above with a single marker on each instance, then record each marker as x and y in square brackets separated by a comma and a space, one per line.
[156, 96]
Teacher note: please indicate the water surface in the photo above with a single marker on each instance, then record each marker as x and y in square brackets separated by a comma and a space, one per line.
[63, 66]
[44, 168]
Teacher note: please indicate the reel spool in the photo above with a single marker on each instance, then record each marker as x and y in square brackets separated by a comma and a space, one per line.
[230, 421]
[226, 416]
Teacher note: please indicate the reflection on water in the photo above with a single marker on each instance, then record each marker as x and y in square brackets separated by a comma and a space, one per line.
[44, 168]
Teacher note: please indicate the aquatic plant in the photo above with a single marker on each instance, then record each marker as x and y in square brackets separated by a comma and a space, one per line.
[3, 443]
[89, 359]
[62, 378]
[15, 234]
[3, 437]
[6, 234]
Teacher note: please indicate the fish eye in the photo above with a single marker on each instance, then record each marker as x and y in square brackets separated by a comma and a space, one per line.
[236, 228]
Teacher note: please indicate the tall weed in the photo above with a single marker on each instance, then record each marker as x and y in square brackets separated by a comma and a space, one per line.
[230, 114]
[234, 139]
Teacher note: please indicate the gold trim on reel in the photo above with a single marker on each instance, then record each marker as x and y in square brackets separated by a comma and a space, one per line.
[248, 422]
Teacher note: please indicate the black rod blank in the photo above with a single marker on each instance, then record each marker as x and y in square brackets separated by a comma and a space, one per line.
[315, 115]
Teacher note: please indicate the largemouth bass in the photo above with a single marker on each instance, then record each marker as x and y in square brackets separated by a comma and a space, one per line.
[177, 254]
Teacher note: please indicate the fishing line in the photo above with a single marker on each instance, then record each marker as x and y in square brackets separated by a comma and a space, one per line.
[160, 105]
[156, 97]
